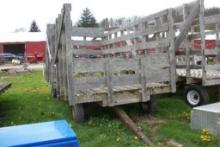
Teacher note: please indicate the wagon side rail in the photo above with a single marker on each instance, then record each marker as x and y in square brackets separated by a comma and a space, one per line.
[113, 74]
[198, 55]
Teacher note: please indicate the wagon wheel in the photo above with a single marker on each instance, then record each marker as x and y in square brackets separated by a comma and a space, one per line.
[150, 106]
[78, 113]
[196, 95]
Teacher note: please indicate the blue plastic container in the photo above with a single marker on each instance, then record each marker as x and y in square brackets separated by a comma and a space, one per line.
[47, 134]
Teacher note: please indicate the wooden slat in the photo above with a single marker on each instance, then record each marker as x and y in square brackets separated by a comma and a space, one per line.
[108, 81]
[87, 43]
[58, 34]
[88, 32]
[124, 64]
[69, 56]
[160, 75]
[213, 67]
[151, 44]
[125, 80]
[212, 82]
[202, 34]
[145, 19]
[157, 60]
[214, 19]
[89, 65]
[84, 83]
[82, 51]
[211, 52]
[151, 30]
[187, 24]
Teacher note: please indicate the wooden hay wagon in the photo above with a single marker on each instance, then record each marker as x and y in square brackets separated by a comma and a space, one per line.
[120, 69]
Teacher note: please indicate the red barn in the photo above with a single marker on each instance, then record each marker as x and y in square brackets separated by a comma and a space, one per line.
[29, 45]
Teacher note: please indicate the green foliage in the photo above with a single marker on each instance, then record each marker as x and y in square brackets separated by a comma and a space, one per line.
[87, 19]
[34, 27]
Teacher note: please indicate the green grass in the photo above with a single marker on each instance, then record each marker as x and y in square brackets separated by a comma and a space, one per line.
[29, 101]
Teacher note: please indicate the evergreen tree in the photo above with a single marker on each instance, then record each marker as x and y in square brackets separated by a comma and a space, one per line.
[34, 27]
[87, 19]
[104, 23]
[212, 11]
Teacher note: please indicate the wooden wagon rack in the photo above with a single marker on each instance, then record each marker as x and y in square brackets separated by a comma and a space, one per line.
[120, 69]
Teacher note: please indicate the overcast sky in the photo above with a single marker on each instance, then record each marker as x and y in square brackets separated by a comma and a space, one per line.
[20, 13]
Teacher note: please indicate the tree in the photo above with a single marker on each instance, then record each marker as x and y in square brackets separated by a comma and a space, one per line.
[34, 27]
[87, 19]
[212, 11]
[118, 22]
[105, 23]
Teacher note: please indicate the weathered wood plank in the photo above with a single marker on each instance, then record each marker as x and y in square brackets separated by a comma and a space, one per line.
[69, 56]
[160, 75]
[59, 29]
[151, 30]
[202, 34]
[86, 43]
[215, 67]
[96, 65]
[146, 45]
[214, 19]
[124, 64]
[157, 60]
[108, 76]
[89, 65]
[88, 32]
[145, 19]
[82, 51]
[84, 83]
[124, 80]
[187, 24]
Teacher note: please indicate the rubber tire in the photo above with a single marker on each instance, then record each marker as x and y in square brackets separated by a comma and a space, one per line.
[204, 96]
[150, 106]
[78, 113]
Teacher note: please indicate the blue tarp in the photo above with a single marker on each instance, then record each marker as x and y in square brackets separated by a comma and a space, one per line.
[53, 133]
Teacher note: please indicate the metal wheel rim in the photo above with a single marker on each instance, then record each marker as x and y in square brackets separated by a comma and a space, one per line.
[193, 97]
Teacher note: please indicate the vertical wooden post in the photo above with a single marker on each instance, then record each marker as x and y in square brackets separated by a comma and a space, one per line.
[202, 34]
[69, 55]
[171, 52]
[187, 53]
[61, 64]
[52, 66]
[56, 59]
[187, 47]
[59, 58]
[108, 76]
[64, 66]
[143, 80]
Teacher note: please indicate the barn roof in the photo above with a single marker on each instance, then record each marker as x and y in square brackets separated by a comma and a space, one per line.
[22, 37]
